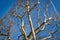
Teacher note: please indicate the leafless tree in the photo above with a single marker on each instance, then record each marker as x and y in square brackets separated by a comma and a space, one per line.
[32, 17]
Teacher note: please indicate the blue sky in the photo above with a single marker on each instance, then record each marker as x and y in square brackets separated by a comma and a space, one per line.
[6, 4]
[57, 4]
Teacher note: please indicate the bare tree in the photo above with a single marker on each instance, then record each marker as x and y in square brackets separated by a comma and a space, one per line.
[32, 17]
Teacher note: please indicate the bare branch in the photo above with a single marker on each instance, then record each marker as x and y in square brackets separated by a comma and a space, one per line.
[30, 21]
[23, 31]
[31, 25]
[19, 36]
[37, 30]
[3, 35]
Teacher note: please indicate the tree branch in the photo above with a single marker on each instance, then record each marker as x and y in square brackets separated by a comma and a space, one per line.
[31, 25]
[37, 30]
[3, 35]
[23, 31]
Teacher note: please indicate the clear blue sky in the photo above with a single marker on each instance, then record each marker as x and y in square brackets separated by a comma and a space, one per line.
[6, 4]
